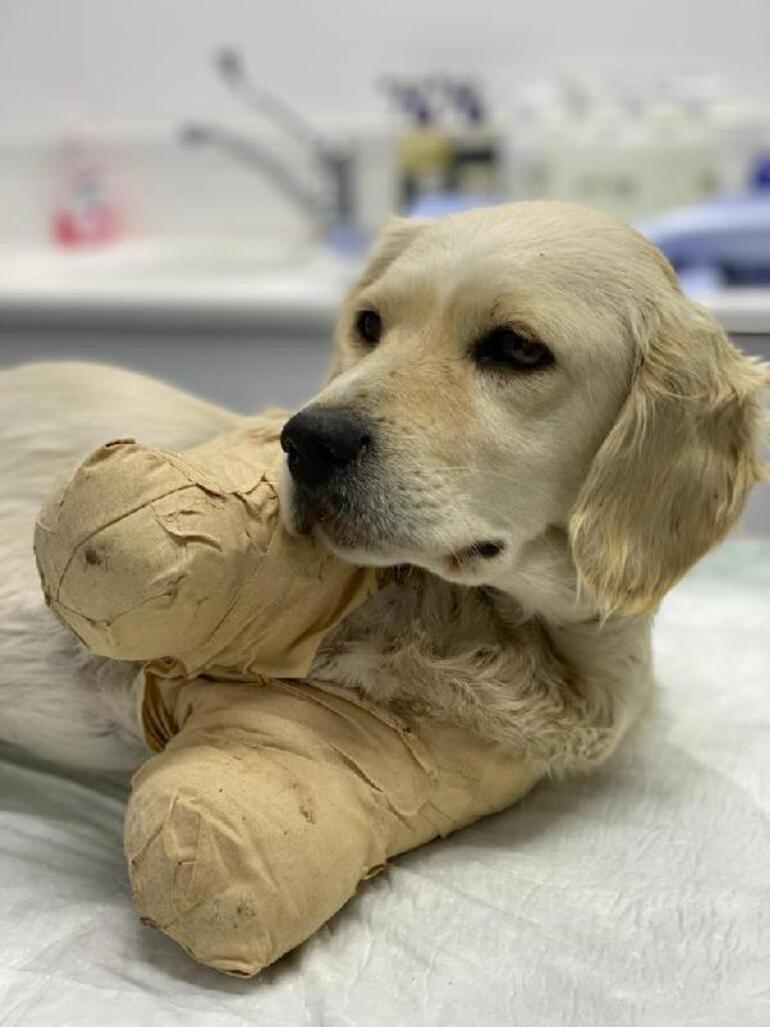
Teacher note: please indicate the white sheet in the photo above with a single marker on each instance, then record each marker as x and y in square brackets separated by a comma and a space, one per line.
[637, 896]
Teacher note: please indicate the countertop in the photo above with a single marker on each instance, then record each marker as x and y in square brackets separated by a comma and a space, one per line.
[219, 283]
[741, 311]
[161, 284]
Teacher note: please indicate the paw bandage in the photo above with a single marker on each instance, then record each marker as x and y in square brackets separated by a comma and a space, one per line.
[271, 803]
[182, 559]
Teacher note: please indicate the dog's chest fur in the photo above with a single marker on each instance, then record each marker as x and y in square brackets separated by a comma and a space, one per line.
[470, 656]
[421, 645]
[418, 613]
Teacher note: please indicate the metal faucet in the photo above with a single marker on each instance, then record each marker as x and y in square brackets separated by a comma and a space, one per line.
[330, 202]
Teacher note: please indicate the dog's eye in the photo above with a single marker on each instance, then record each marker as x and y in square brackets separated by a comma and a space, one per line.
[502, 347]
[369, 326]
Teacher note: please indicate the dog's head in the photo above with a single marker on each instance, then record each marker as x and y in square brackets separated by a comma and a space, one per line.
[518, 372]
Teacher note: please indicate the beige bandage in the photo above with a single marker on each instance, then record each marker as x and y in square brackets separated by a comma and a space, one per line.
[272, 802]
[182, 559]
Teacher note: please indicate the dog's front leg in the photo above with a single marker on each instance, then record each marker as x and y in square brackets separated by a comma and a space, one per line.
[561, 695]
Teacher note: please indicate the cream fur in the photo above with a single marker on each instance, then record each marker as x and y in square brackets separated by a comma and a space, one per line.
[605, 477]
[56, 700]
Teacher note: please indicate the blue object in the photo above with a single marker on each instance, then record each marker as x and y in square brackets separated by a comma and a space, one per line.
[760, 178]
[725, 241]
[435, 205]
[347, 241]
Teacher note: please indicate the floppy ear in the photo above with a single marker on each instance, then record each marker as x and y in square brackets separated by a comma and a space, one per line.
[397, 234]
[674, 472]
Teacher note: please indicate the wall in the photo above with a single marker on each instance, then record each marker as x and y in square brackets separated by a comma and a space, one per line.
[142, 64]
[131, 71]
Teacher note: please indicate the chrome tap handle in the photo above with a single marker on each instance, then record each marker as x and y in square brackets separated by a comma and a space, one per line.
[229, 64]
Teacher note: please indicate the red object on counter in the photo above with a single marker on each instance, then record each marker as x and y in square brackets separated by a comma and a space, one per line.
[86, 211]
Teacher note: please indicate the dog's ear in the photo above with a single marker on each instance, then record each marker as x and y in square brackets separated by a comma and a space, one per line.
[674, 472]
[396, 235]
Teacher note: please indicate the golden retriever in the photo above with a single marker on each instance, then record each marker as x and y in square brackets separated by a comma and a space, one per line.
[522, 401]
[533, 432]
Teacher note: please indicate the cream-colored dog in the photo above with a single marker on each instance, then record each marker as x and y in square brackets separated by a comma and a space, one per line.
[528, 416]
[522, 401]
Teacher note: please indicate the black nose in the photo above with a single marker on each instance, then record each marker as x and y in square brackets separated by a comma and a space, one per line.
[320, 441]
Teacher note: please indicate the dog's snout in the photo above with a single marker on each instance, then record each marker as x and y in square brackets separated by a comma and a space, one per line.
[320, 441]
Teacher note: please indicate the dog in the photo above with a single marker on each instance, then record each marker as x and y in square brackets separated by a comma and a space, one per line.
[535, 434]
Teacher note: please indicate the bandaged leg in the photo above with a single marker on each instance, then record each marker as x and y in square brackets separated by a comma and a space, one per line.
[270, 803]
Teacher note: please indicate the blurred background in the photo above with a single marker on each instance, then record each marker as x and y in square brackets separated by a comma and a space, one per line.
[188, 188]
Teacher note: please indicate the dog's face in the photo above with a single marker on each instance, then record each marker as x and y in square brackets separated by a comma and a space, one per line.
[482, 364]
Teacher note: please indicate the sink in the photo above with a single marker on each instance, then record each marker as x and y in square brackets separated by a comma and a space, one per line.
[222, 277]
[172, 259]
